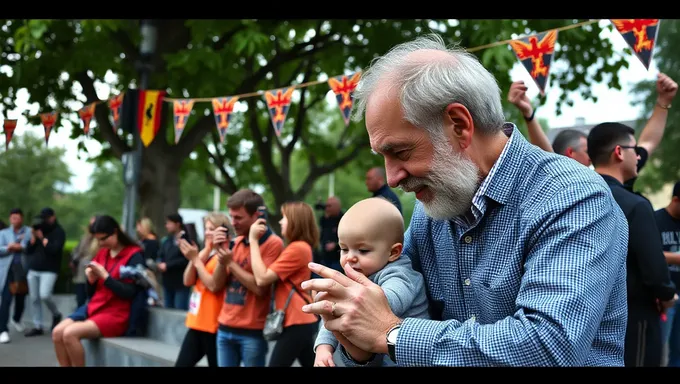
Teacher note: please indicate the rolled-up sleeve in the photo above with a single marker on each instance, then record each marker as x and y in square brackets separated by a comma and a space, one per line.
[575, 259]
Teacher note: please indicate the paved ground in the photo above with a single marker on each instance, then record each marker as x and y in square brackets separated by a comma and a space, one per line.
[27, 351]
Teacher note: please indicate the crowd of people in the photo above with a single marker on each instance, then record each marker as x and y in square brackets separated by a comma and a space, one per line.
[519, 252]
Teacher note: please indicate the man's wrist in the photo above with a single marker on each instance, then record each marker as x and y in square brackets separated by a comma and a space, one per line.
[663, 104]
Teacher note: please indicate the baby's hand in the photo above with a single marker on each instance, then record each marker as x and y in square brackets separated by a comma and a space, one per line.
[324, 356]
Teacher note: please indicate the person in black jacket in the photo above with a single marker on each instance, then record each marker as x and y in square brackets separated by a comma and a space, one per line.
[329, 251]
[613, 150]
[44, 254]
[171, 262]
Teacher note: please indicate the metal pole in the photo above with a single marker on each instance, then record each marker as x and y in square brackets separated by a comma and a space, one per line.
[216, 192]
[133, 159]
[331, 185]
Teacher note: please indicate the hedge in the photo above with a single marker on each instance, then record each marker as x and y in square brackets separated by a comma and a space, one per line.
[64, 282]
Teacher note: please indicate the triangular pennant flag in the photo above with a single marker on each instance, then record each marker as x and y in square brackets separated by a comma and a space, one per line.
[181, 109]
[48, 120]
[536, 52]
[149, 115]
[278, 103]
[343, 87]
[640, 34]
[86, 114]
[116, 107]
[222, 109]
[8, 127]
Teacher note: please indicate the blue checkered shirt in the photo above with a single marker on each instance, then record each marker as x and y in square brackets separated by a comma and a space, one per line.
[534, 275]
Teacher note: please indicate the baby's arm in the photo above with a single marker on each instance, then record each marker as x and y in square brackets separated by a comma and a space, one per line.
[325, 337]
[401, 290]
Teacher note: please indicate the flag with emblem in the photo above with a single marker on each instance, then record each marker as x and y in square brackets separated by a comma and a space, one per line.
[536, 53]
[181, 109]
[48, 120]
[222, 109]
[278, 103]
[640, 34]
[8, 128]
[149, 115]
[116, 107]
[86, 114]
[343, 87]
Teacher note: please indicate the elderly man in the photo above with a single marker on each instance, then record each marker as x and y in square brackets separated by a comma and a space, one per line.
[523, 251]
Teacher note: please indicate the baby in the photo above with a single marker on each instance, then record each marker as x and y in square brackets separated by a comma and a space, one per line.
[370, 236]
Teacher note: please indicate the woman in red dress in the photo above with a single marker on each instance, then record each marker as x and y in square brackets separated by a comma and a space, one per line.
[107, 312]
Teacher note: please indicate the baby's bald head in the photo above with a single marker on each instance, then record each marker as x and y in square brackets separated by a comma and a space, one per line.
[373, 218]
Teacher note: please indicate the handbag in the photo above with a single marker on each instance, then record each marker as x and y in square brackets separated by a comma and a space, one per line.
[20, 285]
[273, 324]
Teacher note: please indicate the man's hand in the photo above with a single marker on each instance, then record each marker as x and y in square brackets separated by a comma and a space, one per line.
[14, 247]
[355, 306]
[665, 305]
[330, 247]
[666, 89]
[162, 267]
[45, 241]
[518, 97]
[324, 356]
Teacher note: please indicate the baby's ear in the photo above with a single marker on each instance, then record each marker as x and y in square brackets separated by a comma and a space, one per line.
[395, 252]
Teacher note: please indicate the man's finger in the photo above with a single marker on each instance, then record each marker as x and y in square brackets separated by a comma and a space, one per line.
[326, 285]
[356, 276]
[321, 296]
[330, 273]
[322, 308]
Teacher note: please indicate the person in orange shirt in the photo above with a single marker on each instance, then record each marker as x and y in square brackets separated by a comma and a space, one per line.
[298, 227]
[206, 299]
[246, 304]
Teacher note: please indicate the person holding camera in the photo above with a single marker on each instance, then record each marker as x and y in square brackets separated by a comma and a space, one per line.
[43, 254]
[171, 263]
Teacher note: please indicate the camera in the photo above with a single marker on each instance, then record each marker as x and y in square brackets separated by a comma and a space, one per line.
[38, 224]
[262, 212]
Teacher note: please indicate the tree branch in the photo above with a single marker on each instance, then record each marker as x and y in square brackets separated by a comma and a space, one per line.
[315, 172]
[228, 186]
[302, 110]
[118, 147]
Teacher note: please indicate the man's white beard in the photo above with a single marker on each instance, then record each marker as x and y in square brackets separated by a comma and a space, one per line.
[452, 181]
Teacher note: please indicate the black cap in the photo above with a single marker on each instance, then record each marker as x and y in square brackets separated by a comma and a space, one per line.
[46, 213]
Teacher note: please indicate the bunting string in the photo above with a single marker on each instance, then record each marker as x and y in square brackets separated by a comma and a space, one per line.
[535, 52]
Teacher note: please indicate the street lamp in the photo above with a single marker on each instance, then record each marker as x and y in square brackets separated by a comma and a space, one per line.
[132, 160]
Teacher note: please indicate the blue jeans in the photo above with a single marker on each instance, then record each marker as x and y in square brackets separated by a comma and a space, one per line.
[177, 298]
[670, 333]
[234, 348]
[6, 302]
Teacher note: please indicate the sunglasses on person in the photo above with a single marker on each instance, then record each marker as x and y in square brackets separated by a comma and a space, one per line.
[638, 150]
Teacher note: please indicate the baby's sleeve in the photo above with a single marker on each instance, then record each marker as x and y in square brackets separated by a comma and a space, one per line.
[325, 336]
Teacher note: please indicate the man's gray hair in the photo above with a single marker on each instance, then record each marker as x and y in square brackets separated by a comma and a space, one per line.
[426, 87]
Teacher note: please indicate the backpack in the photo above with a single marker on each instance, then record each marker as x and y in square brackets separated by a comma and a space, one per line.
[139, 314]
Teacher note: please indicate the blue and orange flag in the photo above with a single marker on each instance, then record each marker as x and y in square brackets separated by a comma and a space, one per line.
[535, 53]
[640, 34]
[48, 120]
[181, 109]
[278, 103]
[8, 128]
[149, 115]
[222, 109]
[116, 107]
[86, 114]
[343, 87]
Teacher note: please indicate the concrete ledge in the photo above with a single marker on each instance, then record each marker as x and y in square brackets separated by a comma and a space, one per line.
[131, 352]
[167, 325]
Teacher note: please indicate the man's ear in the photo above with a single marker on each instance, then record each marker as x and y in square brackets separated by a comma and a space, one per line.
[458, 125]
[395, 252]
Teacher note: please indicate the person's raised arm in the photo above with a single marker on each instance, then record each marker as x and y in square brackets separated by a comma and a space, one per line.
[652, 133]
[518, 97]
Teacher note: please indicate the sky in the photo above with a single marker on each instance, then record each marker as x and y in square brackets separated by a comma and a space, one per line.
[612, 104]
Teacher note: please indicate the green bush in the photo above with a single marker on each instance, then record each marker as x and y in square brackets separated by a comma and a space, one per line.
[64, 282]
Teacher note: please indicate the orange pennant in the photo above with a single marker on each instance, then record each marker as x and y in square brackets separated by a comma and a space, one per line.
[222, 109]
[9, 127]
[640, 34]
[48, 120]
[535, 53]
[86, 114]
[343, 87]
[278, 103]
[116, 107]
[181, 109]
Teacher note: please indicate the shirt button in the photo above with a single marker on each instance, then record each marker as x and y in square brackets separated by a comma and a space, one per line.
[473, 318]
[468, 239]
[467, 282]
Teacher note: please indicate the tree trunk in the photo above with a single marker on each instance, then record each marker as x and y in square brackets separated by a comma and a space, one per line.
[159, 187]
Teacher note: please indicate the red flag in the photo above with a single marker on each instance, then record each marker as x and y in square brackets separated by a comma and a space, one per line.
[149, 115]
[535, 53]
[86, 114]
[116, 107]
[181, 109]
[223, 107]
[640, 34]
[9, 127]
[278, 102]
[343, 87]
[48, 120]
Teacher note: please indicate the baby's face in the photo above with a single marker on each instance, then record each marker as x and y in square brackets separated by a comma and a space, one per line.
[365, 253]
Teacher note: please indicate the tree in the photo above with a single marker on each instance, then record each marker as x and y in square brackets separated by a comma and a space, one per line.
[663, 166]
[32, 175]
[195, 58]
